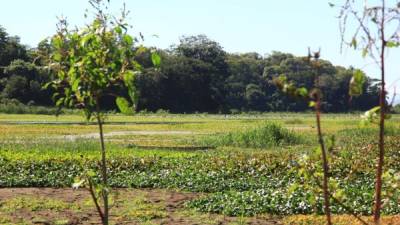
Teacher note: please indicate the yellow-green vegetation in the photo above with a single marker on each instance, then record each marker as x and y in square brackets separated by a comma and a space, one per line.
[337, 220]
[5, 219]
[141, 209]
[35, 204]
[241, 180]
[197, 217]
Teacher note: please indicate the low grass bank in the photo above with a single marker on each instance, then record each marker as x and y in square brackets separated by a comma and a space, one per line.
[267, 134]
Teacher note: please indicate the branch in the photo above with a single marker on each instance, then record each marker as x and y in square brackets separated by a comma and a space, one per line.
[371, 40]
[95, 200]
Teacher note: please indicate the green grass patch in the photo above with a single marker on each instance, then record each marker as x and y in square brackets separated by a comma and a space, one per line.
[35, 204]
[369, 131]
[268, 134]
[294, 121]
[142, 210]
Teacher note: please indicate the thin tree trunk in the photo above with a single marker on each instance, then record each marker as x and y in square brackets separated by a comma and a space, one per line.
[323, 150]
[95, 199]
[382, 99]
[104, 191]
[324, 162]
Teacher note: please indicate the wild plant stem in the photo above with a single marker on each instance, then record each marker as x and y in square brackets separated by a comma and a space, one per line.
[104, 190]
[382, 105]
[95, 199]
[324, 162]
[323, 150]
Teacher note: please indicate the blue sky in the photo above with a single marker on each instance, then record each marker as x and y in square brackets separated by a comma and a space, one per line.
[239, 26]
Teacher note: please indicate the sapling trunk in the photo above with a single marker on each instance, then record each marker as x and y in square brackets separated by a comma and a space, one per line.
[323, 153]
[104, 190]
[324, 163]
[382, 105]
[95, 199]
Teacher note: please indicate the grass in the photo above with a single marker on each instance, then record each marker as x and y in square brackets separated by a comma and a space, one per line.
[294, 121]
[141, 209]
[239, 183]
[336, 219]
[267, 134]
[35, 204]
[199, 218]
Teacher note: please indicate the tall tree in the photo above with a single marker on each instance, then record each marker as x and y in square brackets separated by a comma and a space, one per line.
[10, 49]
[202, 48]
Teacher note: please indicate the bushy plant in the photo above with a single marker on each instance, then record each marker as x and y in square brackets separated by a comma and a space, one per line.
[13, 106]
[267, 134]
[90, 64]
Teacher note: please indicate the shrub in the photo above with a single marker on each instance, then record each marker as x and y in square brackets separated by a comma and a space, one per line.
[13, 106]
[268, 134]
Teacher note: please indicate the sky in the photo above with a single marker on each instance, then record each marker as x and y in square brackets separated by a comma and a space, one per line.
[239, 26]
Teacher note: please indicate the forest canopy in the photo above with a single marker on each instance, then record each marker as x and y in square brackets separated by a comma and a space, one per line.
[196, 75]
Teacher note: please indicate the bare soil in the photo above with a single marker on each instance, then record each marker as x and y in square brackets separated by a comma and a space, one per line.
[170, 208]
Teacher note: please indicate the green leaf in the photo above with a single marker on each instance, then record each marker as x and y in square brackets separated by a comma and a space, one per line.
[128, 39]
[364, 52]
[57, 56]
[57, 42]
[123, 105]
[48, 85]
[86, 39]
[376, 109]
[311, 104]
[302, 92]
[392, 44]
[156, 59]
[293, 188]
[357, 83]
[353, 43]
[129, 78]
[75, 85]
[118, 30]
[371, 115]
[339, 194]
[91, 173]
[60, 102]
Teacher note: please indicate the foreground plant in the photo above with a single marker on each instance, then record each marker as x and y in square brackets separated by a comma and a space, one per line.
[90, 64]
[373, 34]
[314, 97]
[307, 167]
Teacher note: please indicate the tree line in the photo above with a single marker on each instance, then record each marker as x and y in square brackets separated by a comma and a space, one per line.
[196, 75]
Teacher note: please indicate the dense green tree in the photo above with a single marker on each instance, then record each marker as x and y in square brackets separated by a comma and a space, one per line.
[210, 52]
[17, 87]
[10, 49]
[23, 81]
[195, 75]
[245, 85]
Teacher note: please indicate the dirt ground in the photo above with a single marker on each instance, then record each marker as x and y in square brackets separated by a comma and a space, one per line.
[50, 206]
